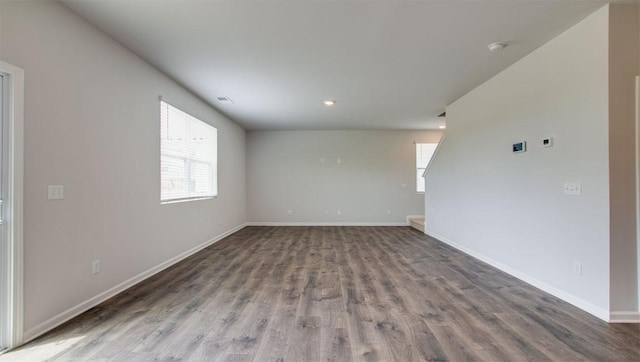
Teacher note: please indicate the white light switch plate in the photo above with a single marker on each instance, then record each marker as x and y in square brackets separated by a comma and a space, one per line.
[56, 192]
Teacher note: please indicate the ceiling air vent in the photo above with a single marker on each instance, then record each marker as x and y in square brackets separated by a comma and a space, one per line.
[224, 99]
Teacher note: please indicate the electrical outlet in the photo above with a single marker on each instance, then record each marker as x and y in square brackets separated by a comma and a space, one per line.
[289, 212]
[389, 212]
[577, 267]
[326, 212]
[573, 189]
[95, 267]
[56, 192]
[339, 212]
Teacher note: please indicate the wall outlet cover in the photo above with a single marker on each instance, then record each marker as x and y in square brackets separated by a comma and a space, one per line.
[95, 267]
[577, 267]
[55, 192]
[573, 188]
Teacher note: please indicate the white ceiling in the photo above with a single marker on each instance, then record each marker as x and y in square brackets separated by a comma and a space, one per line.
[389, 64]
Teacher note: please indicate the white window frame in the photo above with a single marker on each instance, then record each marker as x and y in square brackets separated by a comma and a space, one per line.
[12, 257]
[420, 170]
[190, 161]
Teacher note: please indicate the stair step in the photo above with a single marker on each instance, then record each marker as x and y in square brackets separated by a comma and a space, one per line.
[417, 223]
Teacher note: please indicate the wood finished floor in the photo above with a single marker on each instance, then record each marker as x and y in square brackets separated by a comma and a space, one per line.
[333, 294]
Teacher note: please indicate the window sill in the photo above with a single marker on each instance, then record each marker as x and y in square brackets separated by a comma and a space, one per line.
[175, 201]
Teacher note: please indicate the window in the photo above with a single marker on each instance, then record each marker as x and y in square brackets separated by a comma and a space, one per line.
[11, 230]
[188, 156]
[424, 152]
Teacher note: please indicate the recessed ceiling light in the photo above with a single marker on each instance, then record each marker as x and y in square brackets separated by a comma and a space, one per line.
[442, 127]
[329, 102]
[497, 46]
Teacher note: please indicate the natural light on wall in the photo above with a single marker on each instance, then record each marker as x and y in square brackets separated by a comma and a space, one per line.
[188, 156]
[424, 152]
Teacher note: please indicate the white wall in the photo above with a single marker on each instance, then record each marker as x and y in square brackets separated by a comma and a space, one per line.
[509, 208]
[285, 173]
[91, 124]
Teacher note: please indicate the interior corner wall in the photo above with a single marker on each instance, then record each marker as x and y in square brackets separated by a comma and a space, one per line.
[509, 208]
[91, 124]
[624, 52]
[300, 171]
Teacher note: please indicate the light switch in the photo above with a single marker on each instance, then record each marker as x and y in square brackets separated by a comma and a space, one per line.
[56, 192]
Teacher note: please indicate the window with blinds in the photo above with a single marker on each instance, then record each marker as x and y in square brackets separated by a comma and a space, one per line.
[188, 156]
[424, 152]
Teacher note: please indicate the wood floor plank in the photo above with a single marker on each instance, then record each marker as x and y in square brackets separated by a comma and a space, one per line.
[304, 342]
[274, 345]
[333, 294]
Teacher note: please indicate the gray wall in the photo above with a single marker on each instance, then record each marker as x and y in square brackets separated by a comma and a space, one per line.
[285, 173]
[92, 124]
[510, 208]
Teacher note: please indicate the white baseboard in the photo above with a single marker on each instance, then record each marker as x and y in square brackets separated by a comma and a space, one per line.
[92, 302]
[569, 298]
[328, 223]
[624, 317]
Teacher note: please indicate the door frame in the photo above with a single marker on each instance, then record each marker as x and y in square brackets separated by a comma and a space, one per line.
[14, 211]
[638, 187]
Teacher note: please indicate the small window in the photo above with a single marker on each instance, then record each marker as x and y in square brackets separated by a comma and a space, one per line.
[424, 152]
[188, 156]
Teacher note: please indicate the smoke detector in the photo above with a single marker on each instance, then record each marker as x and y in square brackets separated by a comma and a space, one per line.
[497, 46]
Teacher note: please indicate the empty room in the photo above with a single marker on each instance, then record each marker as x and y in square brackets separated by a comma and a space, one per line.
[307, 180]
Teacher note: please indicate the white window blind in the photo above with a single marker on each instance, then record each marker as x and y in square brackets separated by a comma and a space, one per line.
[188, 156]
[424, 152]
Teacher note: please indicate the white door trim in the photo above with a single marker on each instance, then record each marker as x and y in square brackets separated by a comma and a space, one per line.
[14, 223]
[638, 185]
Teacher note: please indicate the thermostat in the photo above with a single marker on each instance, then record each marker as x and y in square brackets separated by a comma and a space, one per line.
[519, 147]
